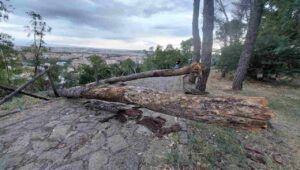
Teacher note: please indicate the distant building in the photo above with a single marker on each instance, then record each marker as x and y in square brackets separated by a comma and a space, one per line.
[110, 61]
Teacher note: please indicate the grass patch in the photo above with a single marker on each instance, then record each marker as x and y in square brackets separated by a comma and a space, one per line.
[20, 102]
[216, 147]
[287, 108]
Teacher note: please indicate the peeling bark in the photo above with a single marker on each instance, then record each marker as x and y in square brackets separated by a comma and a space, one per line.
[247, 112]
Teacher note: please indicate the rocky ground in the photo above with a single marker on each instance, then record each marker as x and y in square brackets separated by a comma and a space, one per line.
[64, 134]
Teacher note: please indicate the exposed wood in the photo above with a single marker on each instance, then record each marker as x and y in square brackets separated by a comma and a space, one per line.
[155, 124]
[167, 130]
[248, 112]
[23, 92]
[18, 90]
[121, 111]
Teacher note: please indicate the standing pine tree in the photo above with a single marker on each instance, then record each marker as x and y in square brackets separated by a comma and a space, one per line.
[196, 37]
[208, 27]
[255, 17]
[38, 28]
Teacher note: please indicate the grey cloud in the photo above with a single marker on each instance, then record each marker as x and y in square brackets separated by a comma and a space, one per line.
[111, 17]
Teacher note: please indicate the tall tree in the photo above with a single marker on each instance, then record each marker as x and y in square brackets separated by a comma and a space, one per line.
[196, 36]
[38, 27]
[6, 44]
[241, 10]
[253, 26]
[222, 33]
[207, 29]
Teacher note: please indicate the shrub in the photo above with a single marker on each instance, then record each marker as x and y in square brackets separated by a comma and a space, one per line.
[96, 71]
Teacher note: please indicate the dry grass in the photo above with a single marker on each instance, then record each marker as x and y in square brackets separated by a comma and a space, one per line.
[18, 103]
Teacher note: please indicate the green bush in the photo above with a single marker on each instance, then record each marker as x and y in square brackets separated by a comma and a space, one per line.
[229, 57]
[10, 63]
[165, 58]
[273, 56]
[96, 71]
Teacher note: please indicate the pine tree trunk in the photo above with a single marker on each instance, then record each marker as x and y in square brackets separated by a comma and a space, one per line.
[253, 26]
[245, 112]
[208, 27]
[196, 37]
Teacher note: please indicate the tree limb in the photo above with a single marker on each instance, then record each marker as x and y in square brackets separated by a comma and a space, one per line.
[23, 92]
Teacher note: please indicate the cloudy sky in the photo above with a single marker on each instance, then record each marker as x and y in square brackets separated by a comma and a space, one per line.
[119, 24]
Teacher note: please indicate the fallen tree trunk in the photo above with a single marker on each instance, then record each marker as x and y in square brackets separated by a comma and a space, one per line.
[18, 90]
[194, 68]
[76, 92]
[23, 92]
[248, 112]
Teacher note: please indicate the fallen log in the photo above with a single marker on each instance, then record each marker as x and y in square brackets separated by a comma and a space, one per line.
[52, 83]
[193, 68]
[121, 111]
[248, 112]
[18, 90]
[75, 92]
[23, 92]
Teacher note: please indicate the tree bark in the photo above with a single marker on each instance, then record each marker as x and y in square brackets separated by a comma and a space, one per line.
[193, 68]
[253, 26]
[52, 84]
[24, 93]
[245, 112]
[196, 37]
[208, 27]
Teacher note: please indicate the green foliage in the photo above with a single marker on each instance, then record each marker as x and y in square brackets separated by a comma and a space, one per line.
[96, 71]
[129, 67]
[165, 58]
[277, 50]
[71, 78]
[56, 71]
[275, 55]
[230, 56]
[232, 31]
[18, 102]
[186, 49]
[38, 28]
[278, 45]
[10, 64]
